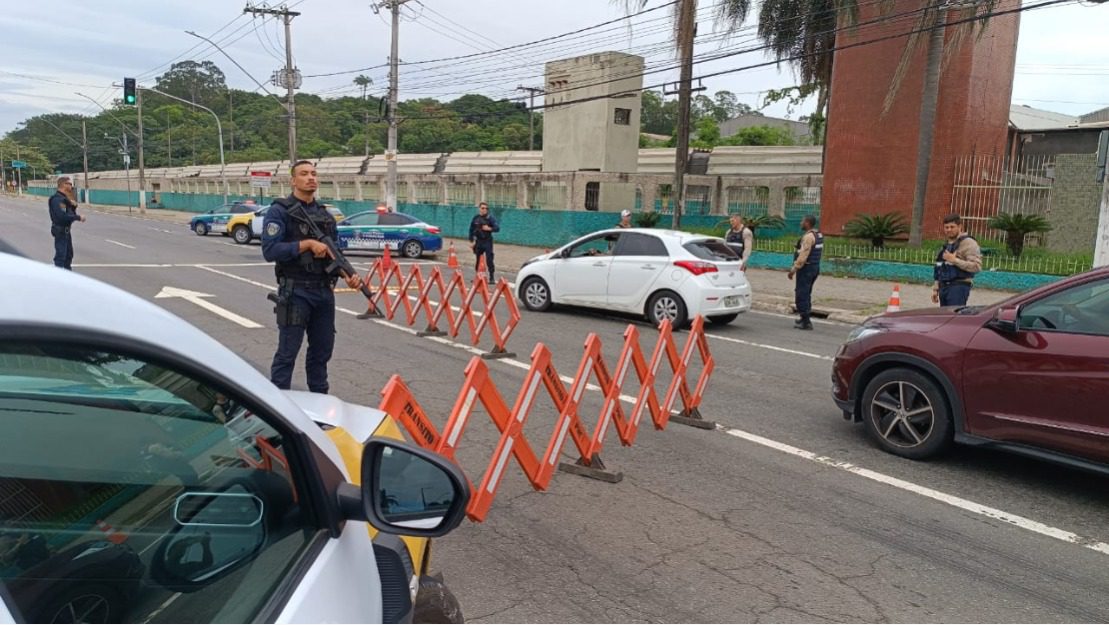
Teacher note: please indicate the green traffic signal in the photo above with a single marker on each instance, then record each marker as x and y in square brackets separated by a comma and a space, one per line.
[128, 90]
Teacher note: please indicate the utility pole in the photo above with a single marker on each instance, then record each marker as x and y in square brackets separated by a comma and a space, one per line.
[1101, 242]
[531, 112]
[289, 78]
[85, 158]
[142, 164]
[391, 113]
[686, 32]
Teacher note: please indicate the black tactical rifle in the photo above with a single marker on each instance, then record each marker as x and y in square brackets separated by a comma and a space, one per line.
[339, 261]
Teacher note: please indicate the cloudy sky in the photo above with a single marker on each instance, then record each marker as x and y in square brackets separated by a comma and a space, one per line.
[63, 47]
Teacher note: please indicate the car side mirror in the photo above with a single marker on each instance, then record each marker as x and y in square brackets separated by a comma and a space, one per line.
[1005, 320]
[406, 490]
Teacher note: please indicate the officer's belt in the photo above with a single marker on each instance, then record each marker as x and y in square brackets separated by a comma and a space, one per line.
[322, 283]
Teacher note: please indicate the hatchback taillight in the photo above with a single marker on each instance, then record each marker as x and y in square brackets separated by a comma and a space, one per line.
[696, 267]
[433, 229]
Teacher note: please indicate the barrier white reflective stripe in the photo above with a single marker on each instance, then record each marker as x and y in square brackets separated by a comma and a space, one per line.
[496, 477]
[467, 406]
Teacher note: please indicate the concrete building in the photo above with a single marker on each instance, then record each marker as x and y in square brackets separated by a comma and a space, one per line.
[800, 130]
[591, 122]
[870, 162]
[1043, 134]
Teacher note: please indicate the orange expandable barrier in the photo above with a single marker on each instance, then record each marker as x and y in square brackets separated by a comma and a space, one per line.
[398, 401]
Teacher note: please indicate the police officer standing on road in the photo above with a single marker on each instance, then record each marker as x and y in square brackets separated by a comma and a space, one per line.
[305, 299]
[63, 212]
[482, 227]
[741, 239]
[806, 266]
[956, 263]
[625, 219]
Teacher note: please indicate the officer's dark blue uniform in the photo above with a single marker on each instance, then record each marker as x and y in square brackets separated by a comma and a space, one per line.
[954, 282]
[63, 213]
[306, 301]
[482, 240]
[806, 278]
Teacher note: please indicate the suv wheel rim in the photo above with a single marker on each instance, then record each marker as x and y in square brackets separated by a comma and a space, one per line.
[665, 308]
[902, 414]
[536, 294]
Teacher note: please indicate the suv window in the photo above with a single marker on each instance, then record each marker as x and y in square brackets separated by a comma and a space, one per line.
[639, 244]
[711, 249]
[239, 209]
[132, 493]
[1083, 309]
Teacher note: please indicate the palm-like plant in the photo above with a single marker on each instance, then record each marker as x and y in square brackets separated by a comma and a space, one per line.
[754, 222]
[1016, 227]
[363, 81]
[877, 228]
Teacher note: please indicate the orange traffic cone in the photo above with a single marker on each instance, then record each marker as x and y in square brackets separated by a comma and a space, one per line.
[387, 259]
[452, 258]
[110, 533]
[895, 299]
[481, 269]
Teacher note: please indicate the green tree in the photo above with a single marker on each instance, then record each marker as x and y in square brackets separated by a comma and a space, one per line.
[657, 116]
[708, 133]
[203, 83]
[1017, 227]
[761, 135]
[364, 82]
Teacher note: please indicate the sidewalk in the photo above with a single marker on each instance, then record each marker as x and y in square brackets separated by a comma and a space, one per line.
[850, 300]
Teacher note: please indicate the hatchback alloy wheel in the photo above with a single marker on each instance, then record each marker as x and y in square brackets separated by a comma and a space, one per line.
[537, 295]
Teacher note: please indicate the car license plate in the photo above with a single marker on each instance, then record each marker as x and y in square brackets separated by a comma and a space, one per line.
[729, 302]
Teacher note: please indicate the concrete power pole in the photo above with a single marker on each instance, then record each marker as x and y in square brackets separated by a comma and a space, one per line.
[531, 112]
[289, 78]
[686, 31]
[391, 113]
[85, 158]
[1101, 243]
[142, 162]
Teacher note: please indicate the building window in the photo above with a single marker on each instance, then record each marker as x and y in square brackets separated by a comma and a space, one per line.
[592, 196]
[623, 117]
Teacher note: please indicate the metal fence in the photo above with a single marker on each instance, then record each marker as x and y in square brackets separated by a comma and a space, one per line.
[991, 260]
[986, 185]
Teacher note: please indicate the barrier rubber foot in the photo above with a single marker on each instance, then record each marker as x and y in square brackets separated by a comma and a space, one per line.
[431, 333]
[497, 353]
[371, 313]
[693, 419]
[595, 470]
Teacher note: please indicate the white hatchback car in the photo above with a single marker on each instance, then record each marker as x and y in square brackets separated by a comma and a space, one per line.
[148, 473]
[662, 274]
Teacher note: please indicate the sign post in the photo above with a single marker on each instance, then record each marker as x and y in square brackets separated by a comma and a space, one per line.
[260, 180]
[19, 166]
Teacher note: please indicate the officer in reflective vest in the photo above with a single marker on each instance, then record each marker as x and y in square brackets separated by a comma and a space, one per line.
[305, 299]
[741, 239]
[957, 262]
[806, 266]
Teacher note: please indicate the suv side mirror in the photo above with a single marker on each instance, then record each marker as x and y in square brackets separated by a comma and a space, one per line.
[406, 490]
[1005, 320]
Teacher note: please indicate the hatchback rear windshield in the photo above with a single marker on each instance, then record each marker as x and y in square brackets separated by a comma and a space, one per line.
[711, 249]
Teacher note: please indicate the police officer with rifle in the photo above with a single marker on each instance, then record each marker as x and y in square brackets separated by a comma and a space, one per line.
[298, 235]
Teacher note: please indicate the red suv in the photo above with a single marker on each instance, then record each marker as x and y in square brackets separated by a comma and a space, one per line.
[1029, 374]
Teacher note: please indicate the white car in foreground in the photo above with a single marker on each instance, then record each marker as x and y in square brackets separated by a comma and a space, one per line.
[148, 472]
[662, 274]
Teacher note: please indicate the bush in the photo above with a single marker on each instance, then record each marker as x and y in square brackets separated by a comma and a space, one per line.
[647, 219]
[1017, 227]
[754, 222]
[877, 228]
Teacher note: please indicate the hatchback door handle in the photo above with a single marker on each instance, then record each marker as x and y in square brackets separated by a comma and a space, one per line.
[599, 264]
[647, 267]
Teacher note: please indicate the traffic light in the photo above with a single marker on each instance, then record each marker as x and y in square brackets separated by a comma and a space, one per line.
[128, 90]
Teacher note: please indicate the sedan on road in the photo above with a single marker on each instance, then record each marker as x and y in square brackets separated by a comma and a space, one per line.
[662, 274]
[1029, 375]
[245, 228]
[373, 230]
[216, 219]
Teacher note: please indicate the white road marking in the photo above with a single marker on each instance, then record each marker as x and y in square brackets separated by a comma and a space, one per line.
[195, 298]
[123, 265]
[130, 247]
[775, 348]
[924, 491]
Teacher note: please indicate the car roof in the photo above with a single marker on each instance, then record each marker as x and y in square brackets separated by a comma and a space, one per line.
[37, 294]
[677, 236]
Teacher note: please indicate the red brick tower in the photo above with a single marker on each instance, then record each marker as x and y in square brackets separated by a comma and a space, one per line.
[870, 160]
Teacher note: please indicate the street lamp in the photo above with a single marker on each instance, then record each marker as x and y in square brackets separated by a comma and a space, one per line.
[219, 128]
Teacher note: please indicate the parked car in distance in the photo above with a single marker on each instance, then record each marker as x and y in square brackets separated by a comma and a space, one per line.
[216, 219]
[1029, 375]
[247, 227]
[373, 230]
[661, 274]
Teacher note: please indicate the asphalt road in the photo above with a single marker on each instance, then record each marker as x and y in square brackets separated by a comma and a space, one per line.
[784, 513]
